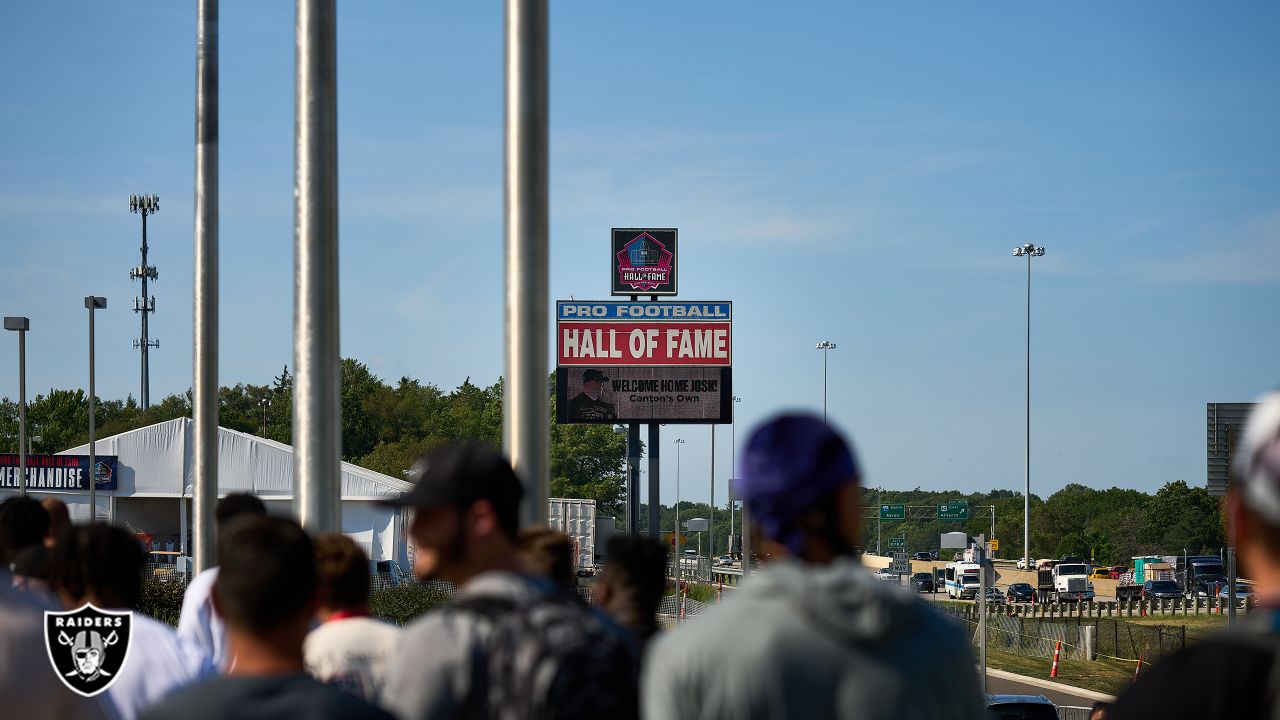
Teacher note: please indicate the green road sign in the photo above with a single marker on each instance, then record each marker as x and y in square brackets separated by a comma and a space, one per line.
[897, 542]
[893, 512]
[955, 510]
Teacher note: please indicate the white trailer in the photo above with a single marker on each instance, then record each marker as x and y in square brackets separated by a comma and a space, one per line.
[577, 519]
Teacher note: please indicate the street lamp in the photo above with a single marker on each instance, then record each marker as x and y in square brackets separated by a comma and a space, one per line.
[1030, 251]
[264, 402]
[824, 346]
[21, 325]
[679, 565]
[93, 302]
[733, 470]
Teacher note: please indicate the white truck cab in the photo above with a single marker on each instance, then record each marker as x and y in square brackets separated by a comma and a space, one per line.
[1071, 582]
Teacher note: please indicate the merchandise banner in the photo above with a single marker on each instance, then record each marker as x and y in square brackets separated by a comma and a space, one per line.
[57, 472]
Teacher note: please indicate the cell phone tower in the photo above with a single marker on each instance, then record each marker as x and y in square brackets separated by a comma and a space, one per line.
[145, 205]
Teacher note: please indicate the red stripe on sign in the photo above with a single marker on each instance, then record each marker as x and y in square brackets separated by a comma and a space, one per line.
[647, 343]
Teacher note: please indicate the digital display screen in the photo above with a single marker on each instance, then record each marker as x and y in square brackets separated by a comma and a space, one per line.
[644, 395]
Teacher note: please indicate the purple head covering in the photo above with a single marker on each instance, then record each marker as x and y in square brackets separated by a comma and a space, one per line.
[791, 464]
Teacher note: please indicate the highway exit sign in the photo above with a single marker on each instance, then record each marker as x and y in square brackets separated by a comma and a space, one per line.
[893, 512]
[955, 510]
[897, 542]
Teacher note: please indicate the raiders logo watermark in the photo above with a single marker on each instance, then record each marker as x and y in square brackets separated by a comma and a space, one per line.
[88, 646]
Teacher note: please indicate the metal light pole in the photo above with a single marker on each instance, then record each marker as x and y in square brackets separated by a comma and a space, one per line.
[21, 325]
[317, 406]
[93, 302]
[679, 563]
[204, 296]
[525, 421]
[711, 520]
[264, 403]
[824, 346]
[733, 468]
[145, 205]
[1030, 251]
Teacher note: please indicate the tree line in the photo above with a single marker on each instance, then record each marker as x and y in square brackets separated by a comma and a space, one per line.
[386, 426]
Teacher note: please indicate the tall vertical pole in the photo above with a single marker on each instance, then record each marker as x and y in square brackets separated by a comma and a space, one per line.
[1231, 586]
[711, 521]
[1026, 494]
[22, 412]
[824, 385]
[91, 303]
[679, 559]
[145, 342]
[655, 499]
[526, 431]
[980, 553]
[204, 385]
[317, 407]
[633, 479]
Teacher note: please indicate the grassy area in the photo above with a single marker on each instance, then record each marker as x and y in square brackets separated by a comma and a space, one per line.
[1108, 676]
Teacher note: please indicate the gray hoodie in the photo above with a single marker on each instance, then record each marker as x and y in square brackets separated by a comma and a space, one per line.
[814, 641]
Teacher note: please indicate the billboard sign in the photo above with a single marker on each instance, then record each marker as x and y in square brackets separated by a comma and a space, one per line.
[644, 395]
[617, 333]
[57, 472]
[643, 261]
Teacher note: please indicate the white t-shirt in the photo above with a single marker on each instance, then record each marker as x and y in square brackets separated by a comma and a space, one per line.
[353, 653]
[158, 663]
[199, 625]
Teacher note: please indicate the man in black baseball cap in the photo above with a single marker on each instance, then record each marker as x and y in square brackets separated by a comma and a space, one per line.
[588, 404]
[467, 659]
[466, 500]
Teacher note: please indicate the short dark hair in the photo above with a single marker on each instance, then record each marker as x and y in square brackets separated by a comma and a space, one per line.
[236, 504]
[59, 517]
[23, 522]
[548, 553]
[638, 565]
[99, 560]
[266, 573]
[342, 572]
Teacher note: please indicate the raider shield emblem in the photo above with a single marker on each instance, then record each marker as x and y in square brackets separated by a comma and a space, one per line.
[88, 646]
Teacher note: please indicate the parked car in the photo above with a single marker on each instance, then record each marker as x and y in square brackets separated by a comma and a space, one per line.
[1100, 573]
[922, 557]
[1021, 707]
[922, 582]
[1022, 563]
[1020, 592]
[933, 555]
[994, 596]
[886, 575]
[1161, 590]
[1118, 570]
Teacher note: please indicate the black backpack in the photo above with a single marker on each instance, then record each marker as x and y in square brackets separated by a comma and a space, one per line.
[551, 658]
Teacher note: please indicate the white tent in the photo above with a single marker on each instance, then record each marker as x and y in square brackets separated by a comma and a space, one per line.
[155, 480]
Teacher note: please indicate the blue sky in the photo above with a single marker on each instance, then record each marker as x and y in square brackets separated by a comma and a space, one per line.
[857, 172]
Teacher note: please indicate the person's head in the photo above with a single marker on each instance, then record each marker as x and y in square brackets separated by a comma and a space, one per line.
[1254, 504]
[547, 553]
[592, 380]
[31, 568]
[59, 519]
[235, 505]
[1100, 710]
[466, 502]
[342, 575]
[634, 577]
[266, 584]
[23, 522]
[99, 563]
[799, 479]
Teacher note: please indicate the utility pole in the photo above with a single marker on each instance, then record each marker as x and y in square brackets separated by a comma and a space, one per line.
[144, 205]
[1030, 251]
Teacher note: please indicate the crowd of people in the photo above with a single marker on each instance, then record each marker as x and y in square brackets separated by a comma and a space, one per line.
[281, 627]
